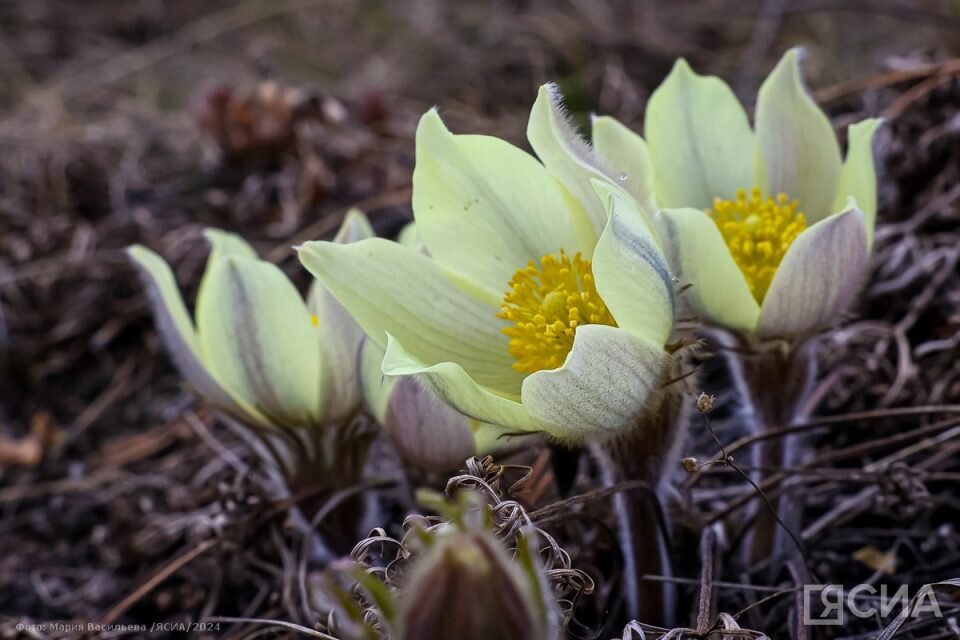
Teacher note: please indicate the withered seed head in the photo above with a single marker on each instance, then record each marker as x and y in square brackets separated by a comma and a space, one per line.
[705, 403]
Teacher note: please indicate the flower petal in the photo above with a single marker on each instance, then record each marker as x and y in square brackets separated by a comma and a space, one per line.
[800, 154]
[177, 332]
[631, 272]
[484, 208]
[459, 390]
[858, 176]
[818, 278]
[701, 260]
[600, 389]
[410, 238]
[699, 138]
[628, 157]
[566, 154]
[257, 336]
[355, 227]
[389, 288]
[425, 430]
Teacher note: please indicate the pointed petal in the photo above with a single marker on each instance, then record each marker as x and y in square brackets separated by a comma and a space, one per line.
[800, 153]
[718, 292]
[176, 328]
[566, 154]
[257, 336]
[410, 238]
[628, 157]
[699, 138]
[601, 388]
[631, 272]
[458, 389]
[485, 208]
[818, 278]
[391, 289]
[858, 177]
[355, 226]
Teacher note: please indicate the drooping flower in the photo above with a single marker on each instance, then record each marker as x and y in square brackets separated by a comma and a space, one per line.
[545, 302]
[256, 349]
[768, 224]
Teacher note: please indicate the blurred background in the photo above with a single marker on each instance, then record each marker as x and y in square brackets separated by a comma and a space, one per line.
[148, 120]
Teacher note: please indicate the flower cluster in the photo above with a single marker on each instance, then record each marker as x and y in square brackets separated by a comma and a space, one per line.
[538, 294]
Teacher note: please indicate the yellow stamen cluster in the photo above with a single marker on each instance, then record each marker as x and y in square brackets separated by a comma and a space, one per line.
[546, 305]
[758, 232]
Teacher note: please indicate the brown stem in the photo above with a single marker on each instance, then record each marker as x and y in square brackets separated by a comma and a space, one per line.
[774, 382]
[645, 453]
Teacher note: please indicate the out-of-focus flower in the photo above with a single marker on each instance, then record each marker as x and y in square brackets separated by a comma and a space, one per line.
[255, 348]
[770, 226]
[545, 302]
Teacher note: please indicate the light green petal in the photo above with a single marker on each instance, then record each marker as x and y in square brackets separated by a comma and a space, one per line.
[602, 387]
[699, 139]
[389, 288]
[631, 272]
[628, 157]
[799, 150]
[459, 390]
[340, 339]
[355, 226]
[257, 336]
[717, 290]
[566, 154]
[858, 176]
[818, 278]
[410, 238]
[177, 332]
[485, 208]
[490, 439]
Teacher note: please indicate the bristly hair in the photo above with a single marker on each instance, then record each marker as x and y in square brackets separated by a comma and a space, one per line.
[579, 146]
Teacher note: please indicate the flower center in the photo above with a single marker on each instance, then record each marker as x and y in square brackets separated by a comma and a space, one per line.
[546, 304]
[758, 232]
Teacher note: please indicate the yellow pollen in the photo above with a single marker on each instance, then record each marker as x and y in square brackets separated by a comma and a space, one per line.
[758, 233]
[546, 304]
[315, 320]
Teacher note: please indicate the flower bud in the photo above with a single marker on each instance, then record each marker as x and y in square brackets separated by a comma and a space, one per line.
[466, 587]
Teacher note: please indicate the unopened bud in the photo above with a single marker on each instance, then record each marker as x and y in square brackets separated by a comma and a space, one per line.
[466, 587]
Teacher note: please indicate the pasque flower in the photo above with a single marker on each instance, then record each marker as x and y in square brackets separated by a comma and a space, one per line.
[770, 226]
[256, 349]
[427, 432]
[536, 309]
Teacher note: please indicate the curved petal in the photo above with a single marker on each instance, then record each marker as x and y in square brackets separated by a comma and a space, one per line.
[410, 238]
[631, 272]
[425, 431]
[718, 291]
[699, 138]
[257, 336]
[223, 244]
[340, 339]
[858, 176]
[628, 157]
[800, 153]
[177, 332]
[818, 278]
[485, 208]
[600, 389]
[355, 227]
[459, 390]
[389, 288]
[566, 154]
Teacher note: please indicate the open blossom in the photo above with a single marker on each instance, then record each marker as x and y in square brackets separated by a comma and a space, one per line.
[544, 302]
[256, 349]
[770, 226]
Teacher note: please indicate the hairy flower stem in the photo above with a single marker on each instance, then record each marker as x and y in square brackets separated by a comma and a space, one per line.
[646, 453]
[774, 383]
[315, 465]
